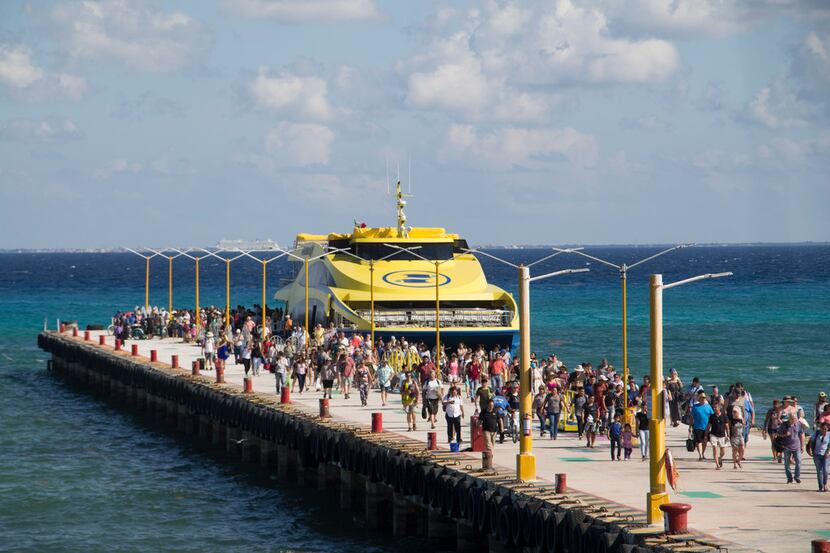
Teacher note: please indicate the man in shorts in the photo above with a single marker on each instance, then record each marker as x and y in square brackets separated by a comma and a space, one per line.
[701, 411]
[409, 400]
[384, 379]
[717, 430]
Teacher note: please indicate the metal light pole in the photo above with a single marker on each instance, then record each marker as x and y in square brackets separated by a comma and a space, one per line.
[227, 262]
[657, 418]
[525, 460]
[196, 261]
[628, 415]
[147, 259]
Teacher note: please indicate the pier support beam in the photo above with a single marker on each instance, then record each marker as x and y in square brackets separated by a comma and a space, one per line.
[286, 463]
[267, 454]
[440, 528]
[408, 518]
[218, 434]
[468, 539]
[250, 448]
[232, 437]
[378, 505]
[204, 428]
[328, 477]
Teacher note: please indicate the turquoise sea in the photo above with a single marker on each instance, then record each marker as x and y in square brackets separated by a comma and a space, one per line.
[79, 475]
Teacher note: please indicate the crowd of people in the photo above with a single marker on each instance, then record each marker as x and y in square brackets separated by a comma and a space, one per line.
[590, 400]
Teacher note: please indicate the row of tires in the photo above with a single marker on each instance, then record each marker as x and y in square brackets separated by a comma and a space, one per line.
[512, 519]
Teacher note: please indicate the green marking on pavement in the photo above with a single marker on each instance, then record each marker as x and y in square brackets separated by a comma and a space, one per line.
[768, 458]
[576, 459]
[702, 495]
[823, 533]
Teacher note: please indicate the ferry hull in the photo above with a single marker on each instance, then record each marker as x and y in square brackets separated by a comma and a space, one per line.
[505, 337]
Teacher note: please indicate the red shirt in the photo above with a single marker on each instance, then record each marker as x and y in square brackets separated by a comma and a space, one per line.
[496, 367]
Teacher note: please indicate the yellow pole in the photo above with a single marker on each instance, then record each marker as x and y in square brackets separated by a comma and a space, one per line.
[305, 329]
[146, 283]
[264, 310]
[170, 284]
[198, 319]
[657, 422]
[227, 293]
[372, 298]
[525, 460]
[628, 413]
[437, 321]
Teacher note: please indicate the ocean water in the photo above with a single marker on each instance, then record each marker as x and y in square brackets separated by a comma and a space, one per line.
[79, 475]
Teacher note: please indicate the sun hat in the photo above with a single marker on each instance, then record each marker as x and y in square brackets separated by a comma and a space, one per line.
[822, 394]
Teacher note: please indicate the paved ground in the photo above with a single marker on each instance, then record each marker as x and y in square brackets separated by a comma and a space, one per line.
[753, 508]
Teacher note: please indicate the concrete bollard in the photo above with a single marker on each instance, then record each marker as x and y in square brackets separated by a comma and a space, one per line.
[117, 344]
[377, 422]
[220, 372]
[134, 350]
[74, 331]
[174, 361]
[248, 385]
[154, 356]
[86, 335]
[486, 459]
[820, 546]
[194, 368]
[102, 340]
[62, 328]
[324, 409]
[285, 395]
[676, 517]
[432, 441]
[476, 435]
[561, 482]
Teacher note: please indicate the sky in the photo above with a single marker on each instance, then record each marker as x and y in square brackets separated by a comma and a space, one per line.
[128, 123]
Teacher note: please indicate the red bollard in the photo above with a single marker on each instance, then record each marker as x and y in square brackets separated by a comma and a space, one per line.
[117, 344]
[476, 435]
[154, 356]
[86, 335]
[820, 546]
[249, 385]
[102, 340]
[377, 422]
[134, 350]
[486, 459]
[676, 517]
[285, 395]
[174, 361]
[220, 371]
[194, 368]
[561, 482]
[324, 409]
[74, 331]
[63, 328]
[432, 441]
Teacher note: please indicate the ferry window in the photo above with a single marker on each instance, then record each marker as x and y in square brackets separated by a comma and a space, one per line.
[427, 250]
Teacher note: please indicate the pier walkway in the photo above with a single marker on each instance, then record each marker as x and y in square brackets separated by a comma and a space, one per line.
[744, 510]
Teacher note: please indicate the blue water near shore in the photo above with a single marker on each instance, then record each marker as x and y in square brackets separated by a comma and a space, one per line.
[76, 474]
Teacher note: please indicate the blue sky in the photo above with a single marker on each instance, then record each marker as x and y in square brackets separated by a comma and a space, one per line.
[603, 121]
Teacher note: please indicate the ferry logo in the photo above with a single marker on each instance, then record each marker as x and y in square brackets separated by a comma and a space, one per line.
[415, 279]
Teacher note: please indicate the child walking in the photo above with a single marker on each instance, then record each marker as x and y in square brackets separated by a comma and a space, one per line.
[615, 436]
[627, 445]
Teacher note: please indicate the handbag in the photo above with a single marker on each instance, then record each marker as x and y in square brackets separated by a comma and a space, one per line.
[690, 442]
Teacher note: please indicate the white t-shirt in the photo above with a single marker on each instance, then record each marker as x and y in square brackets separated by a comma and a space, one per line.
[432, 388]
[454, 406]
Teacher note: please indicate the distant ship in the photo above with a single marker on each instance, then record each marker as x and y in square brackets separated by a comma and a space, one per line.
[340, 287]
[247, 245]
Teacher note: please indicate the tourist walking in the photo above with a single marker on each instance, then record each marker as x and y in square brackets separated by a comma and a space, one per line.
[615, 437]
[591, 423]
[718, 429]
[674, 386]
[553, 410]
[737, 422]
[383, 376]
[453, 412]
[641, 418]
[701, 411]
[627, 441]
[792, 444]
[491, 424]
[362, 377]
[820, 446]
[432, 395]
[539, 409]
[409, 399]
[772, 420]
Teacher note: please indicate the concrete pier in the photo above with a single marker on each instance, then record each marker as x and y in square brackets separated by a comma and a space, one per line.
[394, 499]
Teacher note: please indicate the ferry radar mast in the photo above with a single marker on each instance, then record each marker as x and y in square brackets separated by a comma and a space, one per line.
[403, 230]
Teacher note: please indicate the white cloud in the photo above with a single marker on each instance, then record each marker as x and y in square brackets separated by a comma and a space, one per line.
[16, 67]
[23, 79]
[778, 106]
[646, 123]
[797, 151]
[528, 148]
[131, 34]
[305, 11]
[45, 130]
[299, 144]
[118, 166]
[505, 61]
[292, 95]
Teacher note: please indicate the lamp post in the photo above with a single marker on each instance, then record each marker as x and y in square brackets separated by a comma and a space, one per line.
[657, 422]
[227, 261]
[525, 460]
[196, 261]
[170, 259]
[628, 415]
[147, 259]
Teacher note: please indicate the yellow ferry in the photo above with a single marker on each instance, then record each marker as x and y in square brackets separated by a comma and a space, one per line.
[389, 281]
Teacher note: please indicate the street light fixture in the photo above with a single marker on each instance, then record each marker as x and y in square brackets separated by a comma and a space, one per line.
[228, 262]
[657, 422]
[147, 259]
[196, 261]
[170, 259]
[525, 460]
[628, 415]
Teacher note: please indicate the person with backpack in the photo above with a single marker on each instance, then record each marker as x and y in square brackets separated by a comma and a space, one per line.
[409, 399]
